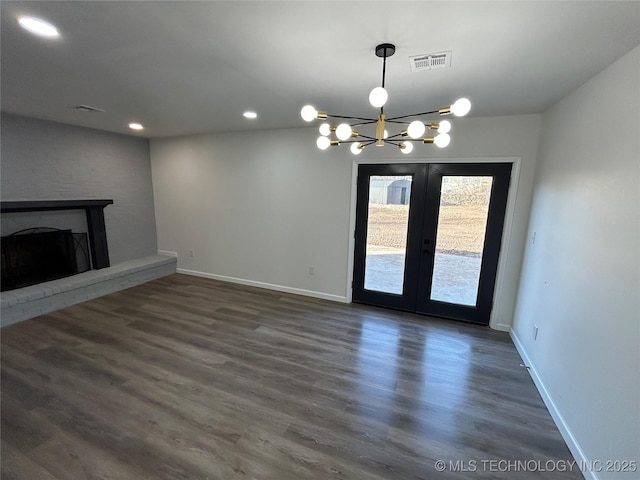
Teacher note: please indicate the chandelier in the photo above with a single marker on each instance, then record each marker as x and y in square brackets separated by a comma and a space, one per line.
[411, 130]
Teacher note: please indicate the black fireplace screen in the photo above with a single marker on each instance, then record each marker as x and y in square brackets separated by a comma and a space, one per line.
[38, 255]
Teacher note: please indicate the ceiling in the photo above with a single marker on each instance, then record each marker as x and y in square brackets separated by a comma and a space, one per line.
[191, 67]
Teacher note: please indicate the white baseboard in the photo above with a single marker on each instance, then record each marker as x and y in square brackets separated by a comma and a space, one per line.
[167, 253]
[501, 327]
[268, 286]
[565, 431]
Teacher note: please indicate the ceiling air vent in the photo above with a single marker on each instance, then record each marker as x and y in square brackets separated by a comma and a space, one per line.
[430, 61]
[87, 108]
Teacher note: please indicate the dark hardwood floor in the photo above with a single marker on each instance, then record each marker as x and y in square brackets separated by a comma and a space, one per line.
[188, 378]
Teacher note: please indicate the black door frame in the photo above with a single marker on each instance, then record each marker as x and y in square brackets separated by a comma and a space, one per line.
[414, 238]
[421, 237]
[492, 242]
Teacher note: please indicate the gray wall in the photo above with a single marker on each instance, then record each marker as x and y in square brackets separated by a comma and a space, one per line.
[580, 279]
[43, 160]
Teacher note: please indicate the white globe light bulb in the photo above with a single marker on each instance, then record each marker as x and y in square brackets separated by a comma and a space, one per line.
[323, 143]
[355, 148]
[378, 97]
[461, 107]
[325, 129]
[408, 148]
[308, 113]
[445, 126]
[416, 129]
[385, 134]
[442, 140]
[343, 131]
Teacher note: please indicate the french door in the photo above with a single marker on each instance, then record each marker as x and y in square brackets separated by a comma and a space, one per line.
[428, 237]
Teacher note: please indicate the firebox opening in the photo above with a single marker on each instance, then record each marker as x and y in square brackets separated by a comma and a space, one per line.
[39, 255]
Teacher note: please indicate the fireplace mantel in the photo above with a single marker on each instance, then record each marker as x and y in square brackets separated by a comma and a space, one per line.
[94, 210]
[43, 205]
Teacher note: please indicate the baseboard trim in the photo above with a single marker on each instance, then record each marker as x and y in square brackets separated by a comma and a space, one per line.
[565, 431]
[268, 286]
[167, 253]
[501, 327]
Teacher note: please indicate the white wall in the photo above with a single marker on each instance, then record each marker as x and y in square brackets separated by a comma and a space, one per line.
[44, 160]
[262, 207]
[580, 282]
[258, 206]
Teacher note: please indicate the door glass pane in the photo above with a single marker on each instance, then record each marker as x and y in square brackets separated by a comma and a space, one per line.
[387, 233]
[462, 222]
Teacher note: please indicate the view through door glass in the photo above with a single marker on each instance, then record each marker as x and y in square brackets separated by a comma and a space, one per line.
[387, 228]
[428, 237]
[462, 220]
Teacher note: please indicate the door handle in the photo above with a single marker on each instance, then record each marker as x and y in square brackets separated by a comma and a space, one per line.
[426, 252]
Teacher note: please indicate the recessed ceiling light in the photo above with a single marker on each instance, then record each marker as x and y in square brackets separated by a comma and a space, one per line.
[38, 26]
[250, 114]
[136, 126]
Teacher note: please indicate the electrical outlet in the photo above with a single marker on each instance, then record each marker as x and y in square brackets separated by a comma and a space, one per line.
[191, 254]
[533, 238]
[535, 332]
[312, 270]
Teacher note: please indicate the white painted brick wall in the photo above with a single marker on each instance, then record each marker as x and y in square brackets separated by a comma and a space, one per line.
[43, 160]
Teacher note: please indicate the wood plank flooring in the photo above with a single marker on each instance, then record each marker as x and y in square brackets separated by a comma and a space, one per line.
[189, 378]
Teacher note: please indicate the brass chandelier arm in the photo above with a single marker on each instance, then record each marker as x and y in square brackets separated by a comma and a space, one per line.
[394, 136]
[412, 115]
[373, 120]
[369, 142]
[368, 122]
[367, 137]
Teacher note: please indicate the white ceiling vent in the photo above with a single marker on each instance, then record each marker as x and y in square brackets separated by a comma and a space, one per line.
[430, 61]
[87, 108]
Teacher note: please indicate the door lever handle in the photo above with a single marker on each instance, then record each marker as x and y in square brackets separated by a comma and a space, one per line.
[426, 252]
